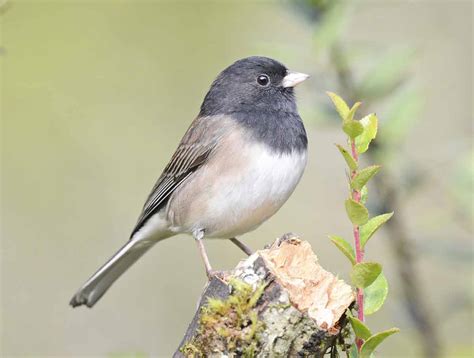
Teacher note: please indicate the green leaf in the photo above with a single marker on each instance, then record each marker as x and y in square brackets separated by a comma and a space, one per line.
[364, 193]
[360, 329]
[352, 128]
[369, 123]
[363, 176]
[357, 213]
[370, 344]
[353, 110]
[364, 274]
[353, 352]
[344, 246]
[367, 230]
[341, 106]
[348, 157]
[375, 295]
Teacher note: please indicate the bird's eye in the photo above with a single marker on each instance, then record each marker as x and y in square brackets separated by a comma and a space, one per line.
[263, 80]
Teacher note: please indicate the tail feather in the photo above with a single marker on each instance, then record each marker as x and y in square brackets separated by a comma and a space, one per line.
[100, 282]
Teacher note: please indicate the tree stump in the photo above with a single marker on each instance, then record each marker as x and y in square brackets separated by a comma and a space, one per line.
[279, 302]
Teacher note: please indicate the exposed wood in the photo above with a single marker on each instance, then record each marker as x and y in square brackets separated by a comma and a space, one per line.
[277, 302]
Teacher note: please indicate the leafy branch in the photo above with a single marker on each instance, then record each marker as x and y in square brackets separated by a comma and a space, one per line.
[370, 282]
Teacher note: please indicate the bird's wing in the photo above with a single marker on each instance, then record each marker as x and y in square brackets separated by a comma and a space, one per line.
[194, 149]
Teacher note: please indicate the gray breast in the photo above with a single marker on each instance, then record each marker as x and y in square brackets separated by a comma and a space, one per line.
[280, 130]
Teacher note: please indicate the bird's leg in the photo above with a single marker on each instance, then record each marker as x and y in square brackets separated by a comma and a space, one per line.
[242, 246]
[199, 236]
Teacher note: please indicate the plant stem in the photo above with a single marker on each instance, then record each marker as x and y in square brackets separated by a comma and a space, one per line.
[390, 200]
[354, 152]
[356, 195]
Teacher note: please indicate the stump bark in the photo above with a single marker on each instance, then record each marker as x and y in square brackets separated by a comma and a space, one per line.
[279, 302]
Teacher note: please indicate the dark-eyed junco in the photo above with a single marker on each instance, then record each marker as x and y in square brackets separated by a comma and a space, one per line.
[237, 164]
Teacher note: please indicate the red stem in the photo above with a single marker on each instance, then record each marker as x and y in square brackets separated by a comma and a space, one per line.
[354, 150]
[356, 195]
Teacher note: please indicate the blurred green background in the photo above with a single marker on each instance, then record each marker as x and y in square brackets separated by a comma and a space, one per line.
[95, 96]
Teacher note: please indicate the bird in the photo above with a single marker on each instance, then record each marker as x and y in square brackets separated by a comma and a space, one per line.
[237, 164]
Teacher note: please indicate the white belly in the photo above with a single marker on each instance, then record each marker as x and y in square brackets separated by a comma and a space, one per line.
[237, 194]
[246, 201]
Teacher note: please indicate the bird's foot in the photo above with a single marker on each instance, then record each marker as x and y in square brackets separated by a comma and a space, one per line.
[242, 246]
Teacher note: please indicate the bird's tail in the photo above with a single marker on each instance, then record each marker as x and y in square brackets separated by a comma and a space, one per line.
[100, 282]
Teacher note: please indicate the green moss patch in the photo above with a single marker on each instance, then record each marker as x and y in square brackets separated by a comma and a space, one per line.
[230, 325]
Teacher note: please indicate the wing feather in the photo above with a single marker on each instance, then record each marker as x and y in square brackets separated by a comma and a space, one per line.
[194, 149]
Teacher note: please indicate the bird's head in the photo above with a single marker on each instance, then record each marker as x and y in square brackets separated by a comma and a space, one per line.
[252, 84]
